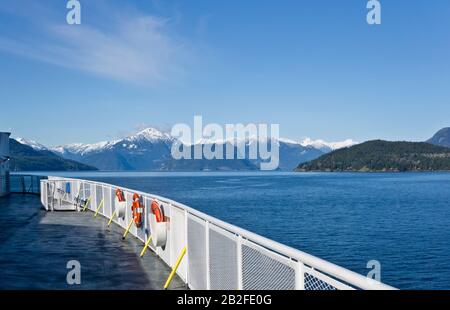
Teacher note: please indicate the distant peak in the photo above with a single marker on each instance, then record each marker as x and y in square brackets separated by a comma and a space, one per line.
[322, 144]
[444, 130]
[83, 148]
[441, 138]
[288, 141]
[31, 143]
[150, 134]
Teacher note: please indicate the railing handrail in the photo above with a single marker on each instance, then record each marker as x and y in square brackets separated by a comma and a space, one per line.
[29, 183]
[350, 277]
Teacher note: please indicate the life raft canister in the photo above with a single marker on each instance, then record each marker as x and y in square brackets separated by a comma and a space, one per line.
[137, 209]
[156, 210]
[119, 194]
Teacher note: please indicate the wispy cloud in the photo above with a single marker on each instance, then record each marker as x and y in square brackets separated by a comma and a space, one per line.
[131, 47]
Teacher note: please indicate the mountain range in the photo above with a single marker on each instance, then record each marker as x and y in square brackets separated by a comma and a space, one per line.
[28, 158]
[150, 150]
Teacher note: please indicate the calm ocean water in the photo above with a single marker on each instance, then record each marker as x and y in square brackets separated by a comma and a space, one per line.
[401, 220]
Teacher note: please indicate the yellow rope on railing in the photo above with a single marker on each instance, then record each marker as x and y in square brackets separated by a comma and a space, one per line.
[174, 269]
[146, 246]
[112, 217]
[128, 229]
[87, 203]
[98, 208]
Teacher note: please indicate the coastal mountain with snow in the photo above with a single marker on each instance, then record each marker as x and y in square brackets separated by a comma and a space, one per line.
[149, 135]
[150, 150]
[31, 143]
[325, 146]
[146, 150]
[28, 155]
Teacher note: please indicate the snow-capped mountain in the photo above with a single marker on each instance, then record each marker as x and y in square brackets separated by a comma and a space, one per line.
[290, 152]
[81, 148]
[325, 146]
[245, 140]
[149, 135]
[33, 144]
[150, 149]
[144, 150]
[28, 155]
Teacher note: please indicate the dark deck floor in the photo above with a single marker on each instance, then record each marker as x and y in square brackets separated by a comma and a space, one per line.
[36, 245]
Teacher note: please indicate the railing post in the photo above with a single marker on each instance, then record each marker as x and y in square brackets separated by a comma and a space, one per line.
[299, 276]
[239, 262]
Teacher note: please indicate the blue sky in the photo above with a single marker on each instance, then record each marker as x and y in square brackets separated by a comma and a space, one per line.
[315, 67]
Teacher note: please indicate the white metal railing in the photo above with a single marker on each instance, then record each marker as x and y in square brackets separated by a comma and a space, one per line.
[219, 255]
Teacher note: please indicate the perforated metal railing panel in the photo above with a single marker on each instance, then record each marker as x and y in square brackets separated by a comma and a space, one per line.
[223, 262]
[178, 235]
[83, 188]
[107, 204]
[92, 191]
[98, 197]
[196, 252]
[317, 280]
[113, 202]
[313, 283]
[264, 270]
